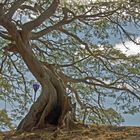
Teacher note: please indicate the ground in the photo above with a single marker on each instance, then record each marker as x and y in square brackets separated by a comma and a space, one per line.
[82, 132]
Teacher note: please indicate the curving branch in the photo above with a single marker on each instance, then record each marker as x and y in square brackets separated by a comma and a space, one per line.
[29, 26]
[62, 22]
[13, 8]
[96, 82]
[23, 7]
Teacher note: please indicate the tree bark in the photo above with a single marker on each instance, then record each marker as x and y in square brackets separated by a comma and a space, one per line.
[50, 108]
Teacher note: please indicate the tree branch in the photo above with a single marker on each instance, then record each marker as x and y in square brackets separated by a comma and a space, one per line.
[13, 8]
[53, 27]
[45, 15]
[23, 7]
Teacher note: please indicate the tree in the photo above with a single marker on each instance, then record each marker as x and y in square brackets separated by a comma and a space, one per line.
[65, 45]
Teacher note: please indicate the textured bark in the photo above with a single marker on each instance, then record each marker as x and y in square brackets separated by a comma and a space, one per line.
[51, 107]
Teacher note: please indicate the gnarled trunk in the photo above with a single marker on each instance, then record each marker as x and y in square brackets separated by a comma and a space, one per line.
[51, 106]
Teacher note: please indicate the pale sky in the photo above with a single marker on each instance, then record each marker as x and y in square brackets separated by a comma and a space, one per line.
[130, 48]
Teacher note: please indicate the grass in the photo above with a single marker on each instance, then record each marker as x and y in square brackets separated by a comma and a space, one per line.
[90, 132]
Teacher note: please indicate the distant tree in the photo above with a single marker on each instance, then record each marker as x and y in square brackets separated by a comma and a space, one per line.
[65, 45]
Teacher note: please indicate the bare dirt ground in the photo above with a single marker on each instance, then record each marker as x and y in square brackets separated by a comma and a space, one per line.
[82, 132]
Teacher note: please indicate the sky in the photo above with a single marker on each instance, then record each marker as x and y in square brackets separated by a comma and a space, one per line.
[130, 48]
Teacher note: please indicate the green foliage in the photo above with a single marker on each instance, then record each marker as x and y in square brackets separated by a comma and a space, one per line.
[5, 121]
[132, 110]
[133, 70]
[114, 116]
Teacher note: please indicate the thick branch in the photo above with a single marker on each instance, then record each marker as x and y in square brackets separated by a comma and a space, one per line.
[23, 7]
[14, 7]
[53, 27]
[45, 15]
[31, 61]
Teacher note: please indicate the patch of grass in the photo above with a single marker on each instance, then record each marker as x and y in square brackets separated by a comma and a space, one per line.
[92, 132]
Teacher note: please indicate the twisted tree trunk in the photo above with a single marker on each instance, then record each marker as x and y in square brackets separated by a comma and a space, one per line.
[52, 105]
[50, 108]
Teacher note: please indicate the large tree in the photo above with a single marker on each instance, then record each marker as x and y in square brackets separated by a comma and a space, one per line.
[66, 46]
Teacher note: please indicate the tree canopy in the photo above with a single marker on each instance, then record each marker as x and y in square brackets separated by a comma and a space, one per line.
[76, 40]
